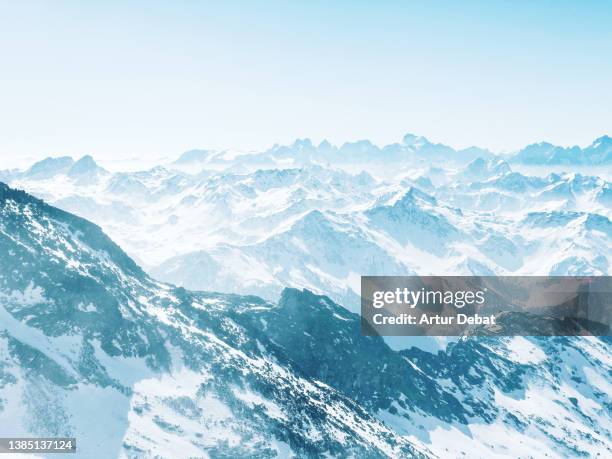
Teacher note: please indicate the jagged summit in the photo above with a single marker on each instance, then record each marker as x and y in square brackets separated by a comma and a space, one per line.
[85, 167]
[50, 166]
[22, 213]
[414, 140]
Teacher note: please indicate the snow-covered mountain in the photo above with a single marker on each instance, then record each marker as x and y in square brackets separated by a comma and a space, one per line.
[598, 153]
[412, 149]
[94, 348]
[318, 217]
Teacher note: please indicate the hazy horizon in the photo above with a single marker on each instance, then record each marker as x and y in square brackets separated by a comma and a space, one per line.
[135, 161]
[154, 80]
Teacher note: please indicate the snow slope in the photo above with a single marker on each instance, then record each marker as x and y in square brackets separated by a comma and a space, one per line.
[92, 347]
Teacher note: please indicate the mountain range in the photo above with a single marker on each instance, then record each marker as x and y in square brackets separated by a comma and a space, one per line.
[412, 149]
[94, 348]
[318, 217]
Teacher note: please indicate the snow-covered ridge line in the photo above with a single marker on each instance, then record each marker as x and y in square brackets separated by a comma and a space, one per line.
[287, 219]
[304, 151]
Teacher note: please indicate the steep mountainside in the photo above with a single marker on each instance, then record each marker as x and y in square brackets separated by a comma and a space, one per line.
[93, 348]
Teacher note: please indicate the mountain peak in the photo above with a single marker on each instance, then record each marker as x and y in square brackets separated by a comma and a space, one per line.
[605, 141]
[302, 144]
[413, 195]
[325, 145]
[193, 156]
[13, 204]
[48, 167]
[85, 165]
[414, 140]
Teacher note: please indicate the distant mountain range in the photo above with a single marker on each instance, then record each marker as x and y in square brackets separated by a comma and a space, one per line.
[92, 347]
[412, 151]
[412, 148]
[318, 217]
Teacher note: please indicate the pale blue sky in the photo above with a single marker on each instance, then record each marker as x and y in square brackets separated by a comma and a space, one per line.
[156, 78]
